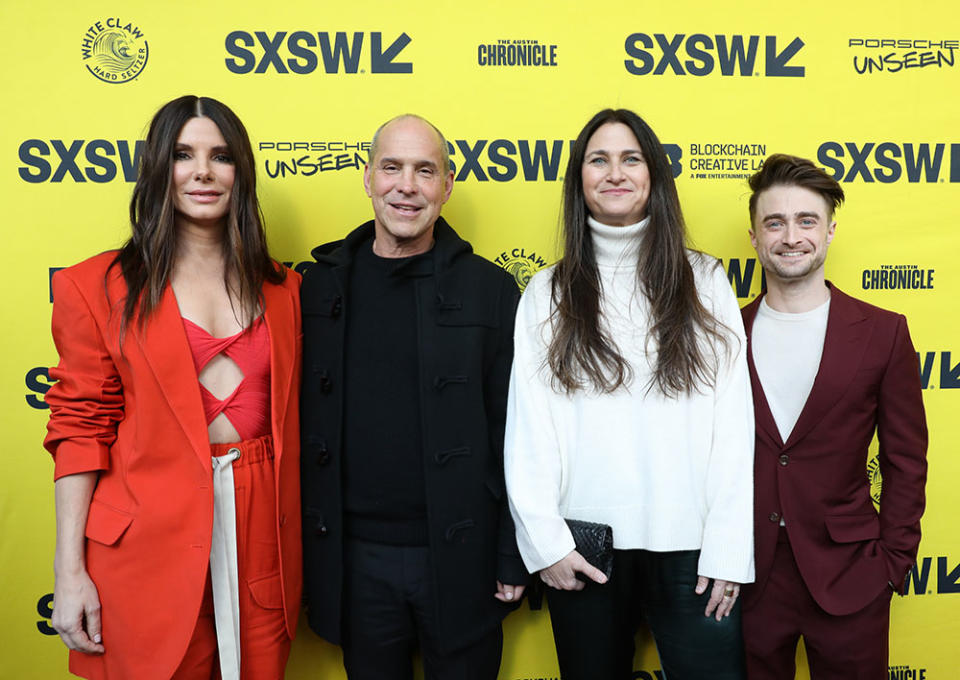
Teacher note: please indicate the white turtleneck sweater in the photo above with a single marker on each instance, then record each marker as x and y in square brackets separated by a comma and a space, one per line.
[665, 474]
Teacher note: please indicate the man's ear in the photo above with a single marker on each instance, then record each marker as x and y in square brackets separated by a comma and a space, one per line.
[366, 179]
[448, 187]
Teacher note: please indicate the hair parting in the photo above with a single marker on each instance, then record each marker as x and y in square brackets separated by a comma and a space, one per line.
[581, 352]
[147, 259]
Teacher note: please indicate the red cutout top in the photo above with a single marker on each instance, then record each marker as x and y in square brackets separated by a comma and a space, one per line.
[248, 406]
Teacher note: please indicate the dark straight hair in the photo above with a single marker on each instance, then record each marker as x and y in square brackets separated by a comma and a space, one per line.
[147, 259]
[581, 353]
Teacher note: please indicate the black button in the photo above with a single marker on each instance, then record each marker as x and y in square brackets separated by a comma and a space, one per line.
[321, 529]
[784, 459]
[323, 458]
[774, 516]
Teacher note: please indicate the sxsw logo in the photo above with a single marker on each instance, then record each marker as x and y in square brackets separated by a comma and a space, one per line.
[919, 581]
[700, 54]
[303, 52]
[80, 160]
[949, 374]
[38, 382]
[888, 162]
[742, 273]
[502, 160]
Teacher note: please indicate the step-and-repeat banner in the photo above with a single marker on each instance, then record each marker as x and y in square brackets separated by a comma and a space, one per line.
[869, 90]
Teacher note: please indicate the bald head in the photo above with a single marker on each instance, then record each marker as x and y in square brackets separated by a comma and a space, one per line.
[411, 117]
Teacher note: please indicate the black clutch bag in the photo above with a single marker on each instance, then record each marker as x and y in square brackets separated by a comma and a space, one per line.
[595, 542]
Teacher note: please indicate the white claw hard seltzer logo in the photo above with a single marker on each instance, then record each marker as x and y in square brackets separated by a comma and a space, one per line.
[114, 50]
[521, 264]
[876, 481]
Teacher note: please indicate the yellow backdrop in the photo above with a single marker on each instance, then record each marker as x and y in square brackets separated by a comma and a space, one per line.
[868, 89]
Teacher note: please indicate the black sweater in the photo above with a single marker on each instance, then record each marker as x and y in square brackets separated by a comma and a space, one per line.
[384, 494]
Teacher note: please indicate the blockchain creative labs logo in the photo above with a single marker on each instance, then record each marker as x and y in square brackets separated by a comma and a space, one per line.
[114, 50]
[873, 56]
[287, 158]
[521, 264]
[897, 277]
[517, 52]
[725, 160]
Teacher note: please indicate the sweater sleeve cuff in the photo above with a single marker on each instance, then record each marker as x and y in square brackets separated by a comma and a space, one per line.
[730, 562]
[553, 548]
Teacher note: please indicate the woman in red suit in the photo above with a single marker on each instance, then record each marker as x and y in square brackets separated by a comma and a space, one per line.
[174, 425]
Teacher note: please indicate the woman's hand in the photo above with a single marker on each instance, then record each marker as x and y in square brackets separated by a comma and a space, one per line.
[508, 593]
[562, 575]
[76, 612]
[76, 602]
[722, 597]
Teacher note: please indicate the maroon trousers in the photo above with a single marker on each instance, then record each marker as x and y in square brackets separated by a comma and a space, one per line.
[851, 647]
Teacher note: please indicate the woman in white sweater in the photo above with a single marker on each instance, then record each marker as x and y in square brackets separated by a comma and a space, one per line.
[630, 406]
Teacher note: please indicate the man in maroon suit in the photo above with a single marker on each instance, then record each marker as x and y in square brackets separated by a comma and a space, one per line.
[827, 371]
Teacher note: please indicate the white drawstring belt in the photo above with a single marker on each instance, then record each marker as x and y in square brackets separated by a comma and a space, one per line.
[223, 566]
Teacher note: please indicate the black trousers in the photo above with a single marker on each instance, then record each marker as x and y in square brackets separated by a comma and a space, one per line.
[594, 628]
[389, 612]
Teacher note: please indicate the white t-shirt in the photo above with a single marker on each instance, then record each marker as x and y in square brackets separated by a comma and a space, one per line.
[786, 351]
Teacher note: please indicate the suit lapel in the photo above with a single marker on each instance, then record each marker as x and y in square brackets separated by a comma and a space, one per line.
[847, 333]
[165, 347]
[278, 312]
[762, 413]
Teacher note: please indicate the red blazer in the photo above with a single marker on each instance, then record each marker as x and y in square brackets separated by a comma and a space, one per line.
[868, 382]
[135, 414]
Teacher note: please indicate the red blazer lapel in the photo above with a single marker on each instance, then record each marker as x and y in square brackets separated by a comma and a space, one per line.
[766, 425]
[847, 334]
[278, 312]
[166, 350]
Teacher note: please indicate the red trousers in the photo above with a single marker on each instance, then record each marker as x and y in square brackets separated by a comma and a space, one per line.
[851, 647]
[264, 643]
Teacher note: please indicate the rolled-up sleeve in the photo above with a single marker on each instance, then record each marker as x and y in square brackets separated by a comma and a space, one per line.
[86, 402]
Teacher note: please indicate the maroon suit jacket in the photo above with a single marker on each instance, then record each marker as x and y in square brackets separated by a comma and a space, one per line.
[868, 382]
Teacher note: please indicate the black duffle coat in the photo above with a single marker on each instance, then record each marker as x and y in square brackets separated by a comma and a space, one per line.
[465, 324]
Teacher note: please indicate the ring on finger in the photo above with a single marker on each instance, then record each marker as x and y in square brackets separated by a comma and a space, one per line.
[729, 592]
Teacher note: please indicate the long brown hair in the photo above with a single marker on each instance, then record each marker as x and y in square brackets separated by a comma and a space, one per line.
[581, 352]
[148, 257]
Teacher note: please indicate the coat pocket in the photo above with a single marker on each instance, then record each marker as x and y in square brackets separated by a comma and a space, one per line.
[474, 314]
[853, 528]
[106, 524]
[267, 591]
[329, 306]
